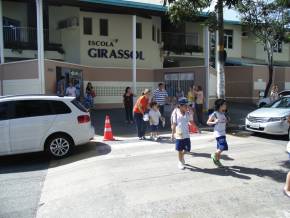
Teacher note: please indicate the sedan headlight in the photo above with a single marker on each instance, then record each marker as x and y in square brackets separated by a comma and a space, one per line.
[277, 119]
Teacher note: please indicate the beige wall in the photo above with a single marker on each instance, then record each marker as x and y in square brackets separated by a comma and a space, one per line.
[249, 46]
[236, 52]
[16, 11]
[253, 49]
[243, 84]
[150, 49]
[284, 56]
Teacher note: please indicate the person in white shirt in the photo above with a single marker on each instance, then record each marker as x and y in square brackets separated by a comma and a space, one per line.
[71, 90]
[154, 118]
[219, 119]
[180, 119]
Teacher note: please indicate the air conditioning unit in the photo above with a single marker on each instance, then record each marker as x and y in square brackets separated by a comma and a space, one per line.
[68, 23]
[245, 35]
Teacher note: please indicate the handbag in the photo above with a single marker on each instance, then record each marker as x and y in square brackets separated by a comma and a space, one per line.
[146, 117]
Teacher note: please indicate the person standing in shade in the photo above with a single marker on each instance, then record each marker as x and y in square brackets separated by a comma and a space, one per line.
[140, 108]
[60, 89]
[89, 97]
[199, 104]
[179, 93]
[128, 104]
[160, 95]
[71, 90]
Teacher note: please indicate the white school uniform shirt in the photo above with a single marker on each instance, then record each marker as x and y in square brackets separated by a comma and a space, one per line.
[181, 122]
[71, 91]
[155, 116]
[220, 127]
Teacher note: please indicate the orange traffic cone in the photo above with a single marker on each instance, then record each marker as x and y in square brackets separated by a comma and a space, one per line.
[108, 134]
[192, 128]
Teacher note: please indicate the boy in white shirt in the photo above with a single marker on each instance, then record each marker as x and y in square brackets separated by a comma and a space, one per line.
[154, 117]
[71, 90]
[180, 119]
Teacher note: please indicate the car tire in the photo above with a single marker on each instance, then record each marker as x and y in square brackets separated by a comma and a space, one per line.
[59, 146]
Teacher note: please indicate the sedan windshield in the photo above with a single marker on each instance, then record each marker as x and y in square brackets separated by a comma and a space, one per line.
[282, 103]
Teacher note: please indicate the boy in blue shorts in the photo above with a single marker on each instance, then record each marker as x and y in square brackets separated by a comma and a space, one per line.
[219, 119]
[180, 119]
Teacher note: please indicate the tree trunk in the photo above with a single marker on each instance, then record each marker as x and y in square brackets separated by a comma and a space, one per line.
[270, 69]
[220, 51]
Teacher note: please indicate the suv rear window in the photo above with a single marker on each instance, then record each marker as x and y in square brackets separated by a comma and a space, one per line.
[60, 107]
[79, 105]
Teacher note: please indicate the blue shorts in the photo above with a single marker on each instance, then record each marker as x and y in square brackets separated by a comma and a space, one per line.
[154, 128]
[222, 143]
[183, 144]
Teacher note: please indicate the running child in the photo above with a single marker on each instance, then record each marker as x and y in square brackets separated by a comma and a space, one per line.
[180, 119]
[154, 117]
[219, 119]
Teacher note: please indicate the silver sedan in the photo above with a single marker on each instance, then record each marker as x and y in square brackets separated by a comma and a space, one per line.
[270, 119]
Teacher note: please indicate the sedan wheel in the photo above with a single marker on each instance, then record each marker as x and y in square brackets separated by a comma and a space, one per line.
[59, 146]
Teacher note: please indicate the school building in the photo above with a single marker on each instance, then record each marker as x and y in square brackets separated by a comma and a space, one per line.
[118, 43]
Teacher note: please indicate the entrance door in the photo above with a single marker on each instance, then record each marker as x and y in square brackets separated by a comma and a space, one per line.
[176, 81]
[71, 75]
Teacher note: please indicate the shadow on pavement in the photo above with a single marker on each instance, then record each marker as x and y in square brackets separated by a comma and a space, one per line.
[242, 172]
[272, 137]
[207, 155]
[218, 172]
[41, 161]
[24, 163]
[92, 149]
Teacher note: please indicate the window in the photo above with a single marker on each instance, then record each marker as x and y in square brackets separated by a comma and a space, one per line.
[278, 47]
[88, 26]
[31, 108]
[158, 36]
[139, 30]
[60, 108]
[104, 27]
[153, 33]
[4, 111]
[228, 39]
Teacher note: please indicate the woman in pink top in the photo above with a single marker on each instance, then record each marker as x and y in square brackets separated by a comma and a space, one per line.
[199, 104]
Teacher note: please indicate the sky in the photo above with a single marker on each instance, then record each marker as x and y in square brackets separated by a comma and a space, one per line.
[228, 14]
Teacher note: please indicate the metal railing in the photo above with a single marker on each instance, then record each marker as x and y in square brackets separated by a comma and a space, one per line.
[14, 34]
[181, 42]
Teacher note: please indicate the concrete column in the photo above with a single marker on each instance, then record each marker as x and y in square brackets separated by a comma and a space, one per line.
[206, 63]
[1, 35]
[134, 61]
[40, 44]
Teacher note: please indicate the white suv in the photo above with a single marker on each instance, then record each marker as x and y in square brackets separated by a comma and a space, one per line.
[32, 123]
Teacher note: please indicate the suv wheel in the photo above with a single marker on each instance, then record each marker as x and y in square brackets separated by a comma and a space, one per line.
[59, 146]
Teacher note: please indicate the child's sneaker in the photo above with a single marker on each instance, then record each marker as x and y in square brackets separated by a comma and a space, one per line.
[181, 166]
[219, 164]
[215, 161]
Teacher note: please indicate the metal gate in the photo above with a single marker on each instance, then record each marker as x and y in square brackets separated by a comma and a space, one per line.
[178, 82]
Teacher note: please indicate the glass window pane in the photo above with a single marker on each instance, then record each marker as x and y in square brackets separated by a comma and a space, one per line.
[230, 42]
[153, 33]
[88, 26]
[139, 30]
[3, 111]
[104, 27]
[225, 42]
[32, 108]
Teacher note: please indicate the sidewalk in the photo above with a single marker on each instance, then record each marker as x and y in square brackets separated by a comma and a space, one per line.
[237, 112]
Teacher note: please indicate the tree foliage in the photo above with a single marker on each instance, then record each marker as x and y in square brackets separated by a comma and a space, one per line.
[268, 21]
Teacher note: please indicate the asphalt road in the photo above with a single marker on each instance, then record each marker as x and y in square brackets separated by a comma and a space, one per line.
[128, 178]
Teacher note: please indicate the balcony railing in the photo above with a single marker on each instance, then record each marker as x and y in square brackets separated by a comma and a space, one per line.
[26, 38]
[180, 43]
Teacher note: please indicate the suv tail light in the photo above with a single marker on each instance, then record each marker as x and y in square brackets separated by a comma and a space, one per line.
[84, 119]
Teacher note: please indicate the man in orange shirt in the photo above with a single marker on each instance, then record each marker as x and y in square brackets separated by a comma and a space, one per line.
[140, 108]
